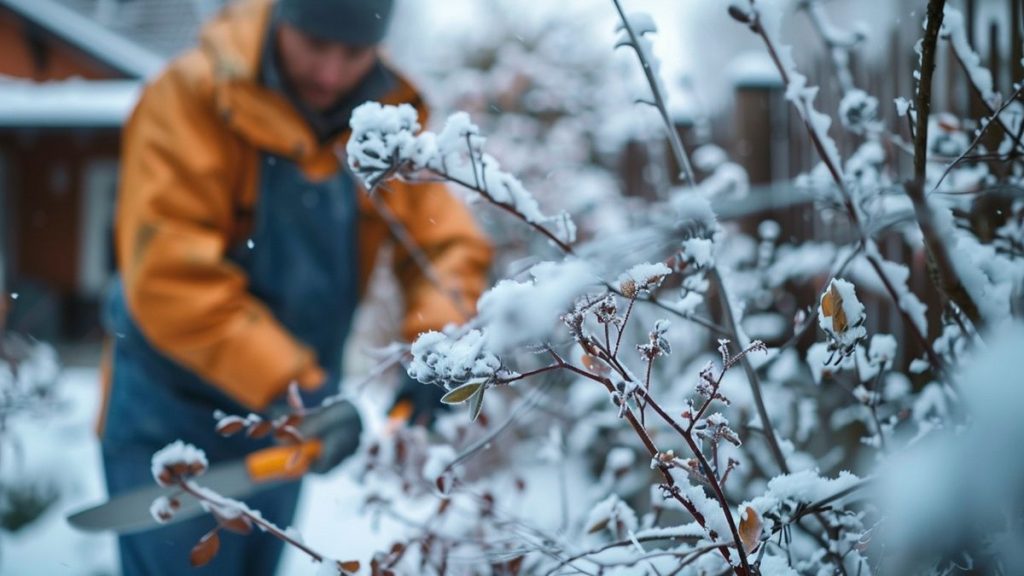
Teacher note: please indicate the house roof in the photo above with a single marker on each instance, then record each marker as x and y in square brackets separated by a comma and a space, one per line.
[164, 27]
[88, 35]
[136, 36]
[66, 103]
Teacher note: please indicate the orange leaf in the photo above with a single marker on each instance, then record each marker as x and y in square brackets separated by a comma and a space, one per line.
[288, 435]
[350, 567]
[205, 550]
[259, 429]
[239, 523]
[230, 426]
[592, 363]
[832, 307]
[750, 530]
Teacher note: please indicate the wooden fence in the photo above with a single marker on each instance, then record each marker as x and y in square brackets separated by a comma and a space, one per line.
[764, 133]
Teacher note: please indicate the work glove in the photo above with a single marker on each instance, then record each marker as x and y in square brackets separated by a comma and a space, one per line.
[424, 399]
[338, 427]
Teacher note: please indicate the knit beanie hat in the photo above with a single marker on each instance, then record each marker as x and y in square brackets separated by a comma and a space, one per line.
[354, 22]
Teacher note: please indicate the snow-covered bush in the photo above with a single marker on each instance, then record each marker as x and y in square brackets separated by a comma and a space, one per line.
[29, 373]
[678, 397]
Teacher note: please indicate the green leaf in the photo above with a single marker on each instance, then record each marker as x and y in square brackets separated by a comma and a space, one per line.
[476, 402]
[462, 393]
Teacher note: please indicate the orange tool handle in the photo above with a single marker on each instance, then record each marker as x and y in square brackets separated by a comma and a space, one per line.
[282, 462]
[398, 417]
[401, 412]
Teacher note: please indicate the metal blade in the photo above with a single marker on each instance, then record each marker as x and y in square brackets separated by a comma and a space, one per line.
[129, 512]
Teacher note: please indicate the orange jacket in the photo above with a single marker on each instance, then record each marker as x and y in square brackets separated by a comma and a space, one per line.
[189, 180]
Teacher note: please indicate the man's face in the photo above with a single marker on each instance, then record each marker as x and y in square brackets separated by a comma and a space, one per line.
[321, 72]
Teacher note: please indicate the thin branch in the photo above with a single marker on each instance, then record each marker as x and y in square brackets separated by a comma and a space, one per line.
[752, 377]
[992, 113]
[401, 233]
[977, 139]
[203, 495]
[949, 283]
[653, 451]
[927, 226]
[659, 99]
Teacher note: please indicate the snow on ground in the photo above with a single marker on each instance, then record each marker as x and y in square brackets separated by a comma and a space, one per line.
[62, 449]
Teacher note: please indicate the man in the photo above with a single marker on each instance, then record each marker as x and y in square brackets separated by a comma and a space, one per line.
[244, 246]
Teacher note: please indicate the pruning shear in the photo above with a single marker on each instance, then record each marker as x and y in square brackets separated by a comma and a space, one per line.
[263, 469]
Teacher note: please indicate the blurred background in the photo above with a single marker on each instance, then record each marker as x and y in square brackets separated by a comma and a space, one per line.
[541, 78]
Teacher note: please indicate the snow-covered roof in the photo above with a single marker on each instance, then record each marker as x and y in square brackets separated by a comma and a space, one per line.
[754, 69]
[163, 27]
[67, 103]
[90, 36]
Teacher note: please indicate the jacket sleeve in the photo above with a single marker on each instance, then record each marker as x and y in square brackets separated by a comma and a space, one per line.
[443, 230]
[175, 218]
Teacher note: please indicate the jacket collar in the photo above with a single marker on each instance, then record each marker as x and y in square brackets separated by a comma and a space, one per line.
[234, 41]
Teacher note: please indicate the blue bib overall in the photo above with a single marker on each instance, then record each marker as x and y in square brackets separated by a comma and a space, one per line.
[302, 262]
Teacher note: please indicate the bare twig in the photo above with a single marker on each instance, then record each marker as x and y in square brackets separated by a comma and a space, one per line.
[977, 139]
[752, 377]
[928, 229]
[949, 283]
[659, 99]
[418, 256]
[653, 451]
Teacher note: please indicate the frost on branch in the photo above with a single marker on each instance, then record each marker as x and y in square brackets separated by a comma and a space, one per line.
[643, 279]
[657, 345]
[387, 142]
[642, 25]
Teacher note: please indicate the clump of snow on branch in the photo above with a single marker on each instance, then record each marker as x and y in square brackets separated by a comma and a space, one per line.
[643, 278]
[954, 29]
[858, 111]
[387, 141]
[525, 312]
[614, 515]
[442, 359]
[175, 460]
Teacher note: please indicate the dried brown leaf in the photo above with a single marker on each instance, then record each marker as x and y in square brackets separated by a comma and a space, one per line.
[259, 429]
[750, 530]
[349, 567]
[237, 523]
[832, 307]
[205, 550]
[230, 425]
[288, 435]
